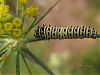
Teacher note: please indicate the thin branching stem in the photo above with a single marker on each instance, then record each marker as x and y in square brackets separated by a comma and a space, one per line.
[33, 39]
[37, 60]
[17, 64]
[17, 3]
[31, 25]
[26, 63]
[24, 8]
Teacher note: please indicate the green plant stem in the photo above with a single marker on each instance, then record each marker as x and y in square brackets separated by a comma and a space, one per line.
[98, 36]
[33, 39]
[17, 64]
[17, 3]
[34, 24]
[26, 64]
[24, 8]
[27, 53]
[31, 25]
[22, 21]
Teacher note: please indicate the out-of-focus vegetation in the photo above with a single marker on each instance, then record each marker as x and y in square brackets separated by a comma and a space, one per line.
[93, 12]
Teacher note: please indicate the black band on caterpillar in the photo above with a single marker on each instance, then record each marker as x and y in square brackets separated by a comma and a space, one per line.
[53, 32]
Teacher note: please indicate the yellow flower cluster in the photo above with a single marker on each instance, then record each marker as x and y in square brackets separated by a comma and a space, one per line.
[4, 12]
[2, 1]
[17, 22]
[17, 33]
[7, 18]
[4, 9]
[12, 27]
[32, 11]
[7, 24]
[8, 27]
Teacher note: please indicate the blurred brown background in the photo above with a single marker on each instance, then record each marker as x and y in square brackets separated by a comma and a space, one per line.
[67, 57]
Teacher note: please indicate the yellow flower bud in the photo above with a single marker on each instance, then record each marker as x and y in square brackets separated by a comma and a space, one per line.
[4, 57]
[8, 27]
[4, 13]
[17, 22]
[4, 9]
[32, 10]
[23, 2]
[7, 18]
[17, 33]
[2, 1]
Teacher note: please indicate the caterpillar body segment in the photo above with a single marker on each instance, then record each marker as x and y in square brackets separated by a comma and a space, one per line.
[53, 32]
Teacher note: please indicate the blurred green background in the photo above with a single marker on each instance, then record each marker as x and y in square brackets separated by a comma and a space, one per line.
[64, 57]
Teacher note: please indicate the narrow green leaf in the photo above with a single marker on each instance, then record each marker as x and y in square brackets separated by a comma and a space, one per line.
[26, 64]
[23, 17]
[31, 25]
[33, 57]
[22, 21]
[17, 64]
[45, 14]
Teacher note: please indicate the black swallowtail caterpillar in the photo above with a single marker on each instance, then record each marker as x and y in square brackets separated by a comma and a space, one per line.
[53, 32]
